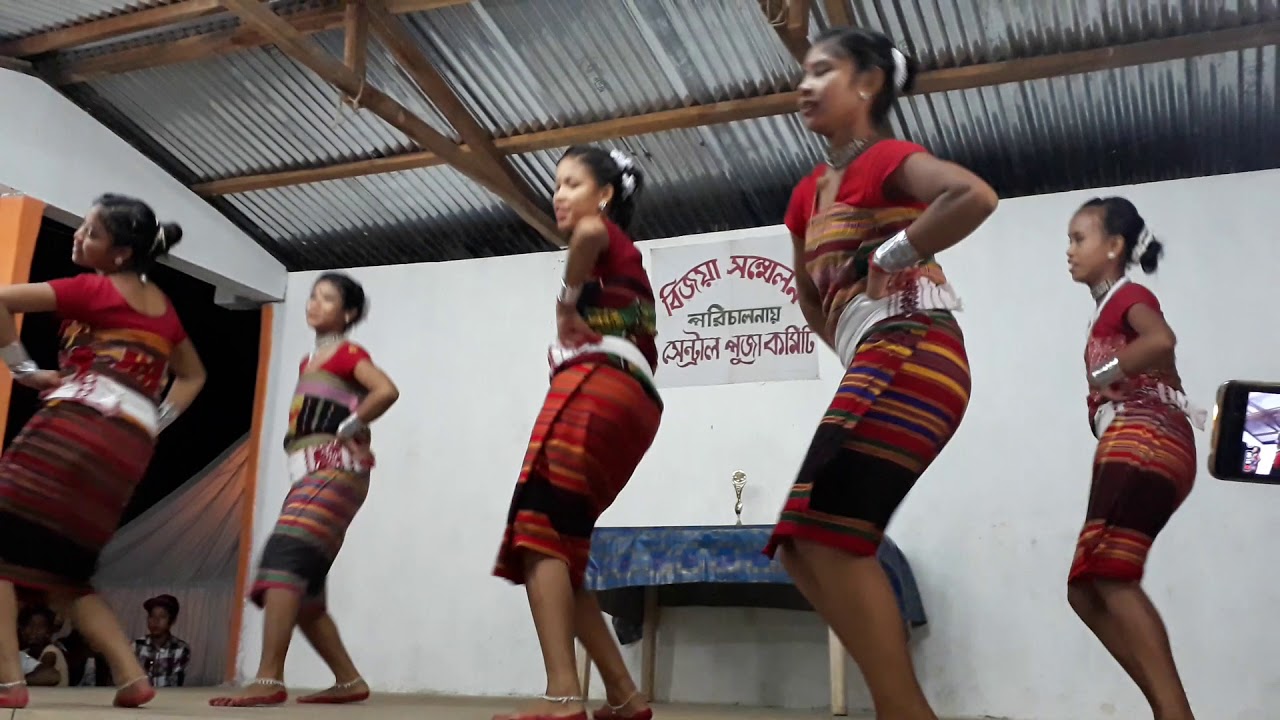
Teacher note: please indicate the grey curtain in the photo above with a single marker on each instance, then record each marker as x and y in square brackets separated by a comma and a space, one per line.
[187, 545]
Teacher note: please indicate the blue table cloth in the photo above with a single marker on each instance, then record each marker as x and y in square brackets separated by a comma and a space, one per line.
[710, 566]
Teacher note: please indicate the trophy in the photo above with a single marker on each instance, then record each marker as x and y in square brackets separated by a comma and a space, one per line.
[739, 482]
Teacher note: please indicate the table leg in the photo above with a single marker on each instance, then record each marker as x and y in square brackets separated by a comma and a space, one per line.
[648, 642]
[584, 670]
[836, 659]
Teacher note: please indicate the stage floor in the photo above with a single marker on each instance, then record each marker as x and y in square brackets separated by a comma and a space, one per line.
[95, 704]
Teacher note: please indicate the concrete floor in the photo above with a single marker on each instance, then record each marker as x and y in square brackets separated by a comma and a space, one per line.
[95, 704]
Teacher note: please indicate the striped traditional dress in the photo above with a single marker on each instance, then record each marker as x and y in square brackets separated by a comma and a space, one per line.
[330, 480]
[906, 387]
[65, 480]
[599, 418]
[1145, 462]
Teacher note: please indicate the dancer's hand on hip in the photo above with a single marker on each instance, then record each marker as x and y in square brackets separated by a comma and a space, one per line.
[573, 331]
[41, 380]
[877, 282]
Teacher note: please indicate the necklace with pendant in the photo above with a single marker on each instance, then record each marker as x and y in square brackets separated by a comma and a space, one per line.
[840, 156]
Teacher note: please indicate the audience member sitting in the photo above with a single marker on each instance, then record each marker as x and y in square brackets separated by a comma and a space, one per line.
[162, 655]
[35, 630]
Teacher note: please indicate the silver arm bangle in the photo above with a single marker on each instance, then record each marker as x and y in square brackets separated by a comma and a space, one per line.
[16, 357]
[569, 295]
[348, 428]
[1106, 374]
[168, 413]
[895, 254]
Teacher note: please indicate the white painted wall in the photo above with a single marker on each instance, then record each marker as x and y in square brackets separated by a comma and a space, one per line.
[990, 529]
[52, 150]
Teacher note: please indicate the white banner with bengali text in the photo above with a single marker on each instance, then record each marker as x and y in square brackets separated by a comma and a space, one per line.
[728, 313]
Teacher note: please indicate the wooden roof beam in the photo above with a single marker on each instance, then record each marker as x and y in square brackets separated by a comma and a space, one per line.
[487, 158]
[212, 44]
[112, 27]
[838, 14]
[295, 45]
[931, 81]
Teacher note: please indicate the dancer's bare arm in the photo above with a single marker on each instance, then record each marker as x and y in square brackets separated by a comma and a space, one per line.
[958, 201]
[807, 293]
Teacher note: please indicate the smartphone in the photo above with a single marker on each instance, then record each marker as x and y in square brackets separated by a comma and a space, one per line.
[1246, 430]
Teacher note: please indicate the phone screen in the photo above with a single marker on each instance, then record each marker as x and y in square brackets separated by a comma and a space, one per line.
[1247, 433]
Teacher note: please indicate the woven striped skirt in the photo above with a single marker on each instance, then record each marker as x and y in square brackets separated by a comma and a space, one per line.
[64, 483]
[596, 424]
[1143, 469]
[899, 404]
[330, 486]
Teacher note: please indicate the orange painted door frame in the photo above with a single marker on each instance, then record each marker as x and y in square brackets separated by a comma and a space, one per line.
[20, 218]
[251, 488]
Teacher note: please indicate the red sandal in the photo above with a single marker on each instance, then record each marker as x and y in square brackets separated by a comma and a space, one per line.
[612, 712]
[276, 698]
[552, 699]
[14, 695]
[134, 693]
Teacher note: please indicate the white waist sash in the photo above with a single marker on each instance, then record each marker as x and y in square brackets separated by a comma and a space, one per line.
[109, 397]
[862, 313]
[332, 455]
[558, 354]
[1176, 399]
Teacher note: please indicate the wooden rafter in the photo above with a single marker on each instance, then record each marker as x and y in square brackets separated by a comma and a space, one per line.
[213, 44]
[962, 78]
[355, 39]
[838, 14]
[297, 46]
[487, 158]
[790, 19]
[112, 27]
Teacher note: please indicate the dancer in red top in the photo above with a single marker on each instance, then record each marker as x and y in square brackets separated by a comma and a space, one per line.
[340, 391]
[1145, 463]
[65, 480]
[865, 227]
[599, 418]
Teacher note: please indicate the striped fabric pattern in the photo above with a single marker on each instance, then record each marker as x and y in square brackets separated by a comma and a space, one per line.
[1144, 468]
[900, 402]
[595, 426]
[839, 244]
[323, 502]
[309, 533]
[137, 358]
[64, 483]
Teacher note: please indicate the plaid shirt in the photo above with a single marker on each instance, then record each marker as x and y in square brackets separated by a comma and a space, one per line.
[166, 665]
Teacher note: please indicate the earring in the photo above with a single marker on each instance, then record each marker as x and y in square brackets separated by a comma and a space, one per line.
[603, 204]
[1111, 256]
[864, 94]
[119, 261]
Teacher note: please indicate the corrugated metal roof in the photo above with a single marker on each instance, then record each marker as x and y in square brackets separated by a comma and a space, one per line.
[532, 65]
[23, 17]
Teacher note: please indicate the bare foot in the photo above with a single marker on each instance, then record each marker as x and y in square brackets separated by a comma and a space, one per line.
[547, 708]
[263, 691]
[636, 706]
[134, 694]
[348, 692]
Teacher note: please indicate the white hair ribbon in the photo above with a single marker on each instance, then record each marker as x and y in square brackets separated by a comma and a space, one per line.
[899, 69]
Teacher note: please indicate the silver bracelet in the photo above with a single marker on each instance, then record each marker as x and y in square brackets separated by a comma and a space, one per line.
[19, 362]
[348, 428]
[168, 413]
[569, 295]
[895, 254]
[1106, 374]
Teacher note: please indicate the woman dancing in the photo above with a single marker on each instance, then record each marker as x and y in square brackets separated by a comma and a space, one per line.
[1145, 463]
[599, 418]
[65, 480]
[339, 392]
[865, 227]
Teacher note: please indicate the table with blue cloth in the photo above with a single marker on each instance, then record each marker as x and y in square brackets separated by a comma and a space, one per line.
[637, 571]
